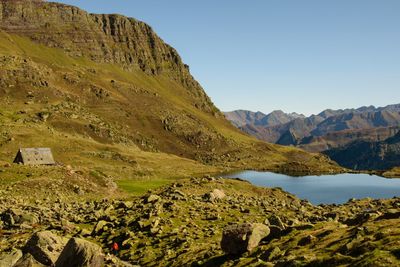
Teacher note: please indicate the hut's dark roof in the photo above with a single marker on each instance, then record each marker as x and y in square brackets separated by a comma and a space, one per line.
[35, 156]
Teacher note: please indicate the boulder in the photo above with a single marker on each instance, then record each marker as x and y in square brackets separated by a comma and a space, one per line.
[8, 217]
[9, 259]
[27, 218]
[45, 247]
[214, 195]
[153, 199]
[81, 253]
[239, 238]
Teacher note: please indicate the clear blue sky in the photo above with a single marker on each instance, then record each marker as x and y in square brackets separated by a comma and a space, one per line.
[262, 55]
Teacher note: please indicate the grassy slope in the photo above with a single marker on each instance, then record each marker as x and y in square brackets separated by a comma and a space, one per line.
[78, 150]
[126, 139]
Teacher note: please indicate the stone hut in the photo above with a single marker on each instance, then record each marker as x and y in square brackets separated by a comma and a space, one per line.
[34, 156]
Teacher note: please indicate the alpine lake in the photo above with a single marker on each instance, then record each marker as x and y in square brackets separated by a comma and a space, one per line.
[325, 189]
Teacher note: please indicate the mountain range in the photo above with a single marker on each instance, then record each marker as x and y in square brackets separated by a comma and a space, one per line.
[327, 131]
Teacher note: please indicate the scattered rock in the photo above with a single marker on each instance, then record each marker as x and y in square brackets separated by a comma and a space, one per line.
[100, 227]
[276, 221]
[153, 199]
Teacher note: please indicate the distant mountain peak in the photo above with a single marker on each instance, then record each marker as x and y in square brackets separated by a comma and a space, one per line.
[245, 117]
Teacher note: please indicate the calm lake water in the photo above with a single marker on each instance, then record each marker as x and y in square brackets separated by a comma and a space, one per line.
[325, 189]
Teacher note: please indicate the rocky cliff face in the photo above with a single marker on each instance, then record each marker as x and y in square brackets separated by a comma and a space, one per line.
[102, 38]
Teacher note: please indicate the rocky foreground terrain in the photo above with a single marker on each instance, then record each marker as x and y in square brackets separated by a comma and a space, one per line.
[197, 222]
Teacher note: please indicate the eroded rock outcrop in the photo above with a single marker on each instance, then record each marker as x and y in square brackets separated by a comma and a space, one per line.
[102, 38]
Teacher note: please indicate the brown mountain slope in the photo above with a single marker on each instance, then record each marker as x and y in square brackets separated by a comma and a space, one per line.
[364, 155]
[107, 87]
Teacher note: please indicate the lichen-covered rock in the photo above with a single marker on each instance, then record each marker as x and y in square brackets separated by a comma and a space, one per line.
[81, 253]
[239, 238]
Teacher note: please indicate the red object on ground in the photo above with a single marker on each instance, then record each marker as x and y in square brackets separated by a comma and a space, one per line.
[115, 246]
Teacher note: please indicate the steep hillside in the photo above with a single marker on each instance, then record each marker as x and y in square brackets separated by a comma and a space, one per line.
[105, 92]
